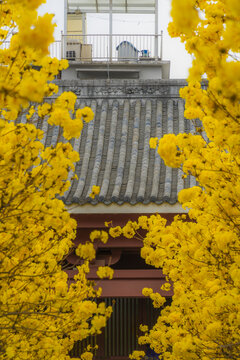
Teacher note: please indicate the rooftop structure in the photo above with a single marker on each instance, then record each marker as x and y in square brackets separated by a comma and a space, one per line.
[118, 6]
[101, 56]
[114, 147]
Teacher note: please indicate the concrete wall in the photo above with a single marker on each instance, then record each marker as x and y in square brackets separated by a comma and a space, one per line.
[118, 70]
[122, 89]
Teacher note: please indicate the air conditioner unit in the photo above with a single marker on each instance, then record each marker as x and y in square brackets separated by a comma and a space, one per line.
[73, 50]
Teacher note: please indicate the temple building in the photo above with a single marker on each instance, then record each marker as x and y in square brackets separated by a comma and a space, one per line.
[125, 81]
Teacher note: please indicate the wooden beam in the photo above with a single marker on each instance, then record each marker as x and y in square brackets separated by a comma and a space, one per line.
[94, 221]
[128, 283]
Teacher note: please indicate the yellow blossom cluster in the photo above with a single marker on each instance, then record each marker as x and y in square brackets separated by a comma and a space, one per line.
[128, 231]
[143, 328]
[87, 356]
[157, 299]
[200, 253]
[99, 235]
[86, 251]
[42, 314]
[115, 231]
[138, 355]
[95, 191]
[105, 272]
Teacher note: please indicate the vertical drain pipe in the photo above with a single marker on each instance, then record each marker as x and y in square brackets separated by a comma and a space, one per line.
[156, 30]
[110, 30]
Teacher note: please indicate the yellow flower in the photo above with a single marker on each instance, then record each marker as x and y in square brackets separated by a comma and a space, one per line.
[105, 272]
[99, 235]
[87, 114]
[63, 64]
[128, 231]
[96, 234]
[67, 100]
[143, 222]
[153, 142]
[147, 291]
[95, 191]
[166, 286]
[44, 109]
[107, 223]
[137, 355]
[30, 113]
[115, 231]
[104, 237]
[143, 328]
[158, 300]
[86, 251]
[86, 356]
[98, 322]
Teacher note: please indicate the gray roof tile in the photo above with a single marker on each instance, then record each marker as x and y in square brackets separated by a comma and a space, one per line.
[117, 157]
[114, 147]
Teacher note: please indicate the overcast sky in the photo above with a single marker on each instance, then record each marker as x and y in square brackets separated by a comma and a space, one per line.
[173, 49]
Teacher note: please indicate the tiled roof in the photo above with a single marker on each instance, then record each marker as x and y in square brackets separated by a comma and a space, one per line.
[114, 148]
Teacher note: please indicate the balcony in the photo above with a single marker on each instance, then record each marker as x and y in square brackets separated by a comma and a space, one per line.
[108, 48]
[98, 56]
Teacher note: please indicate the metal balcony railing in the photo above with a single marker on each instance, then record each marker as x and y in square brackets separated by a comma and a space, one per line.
[99, 47]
